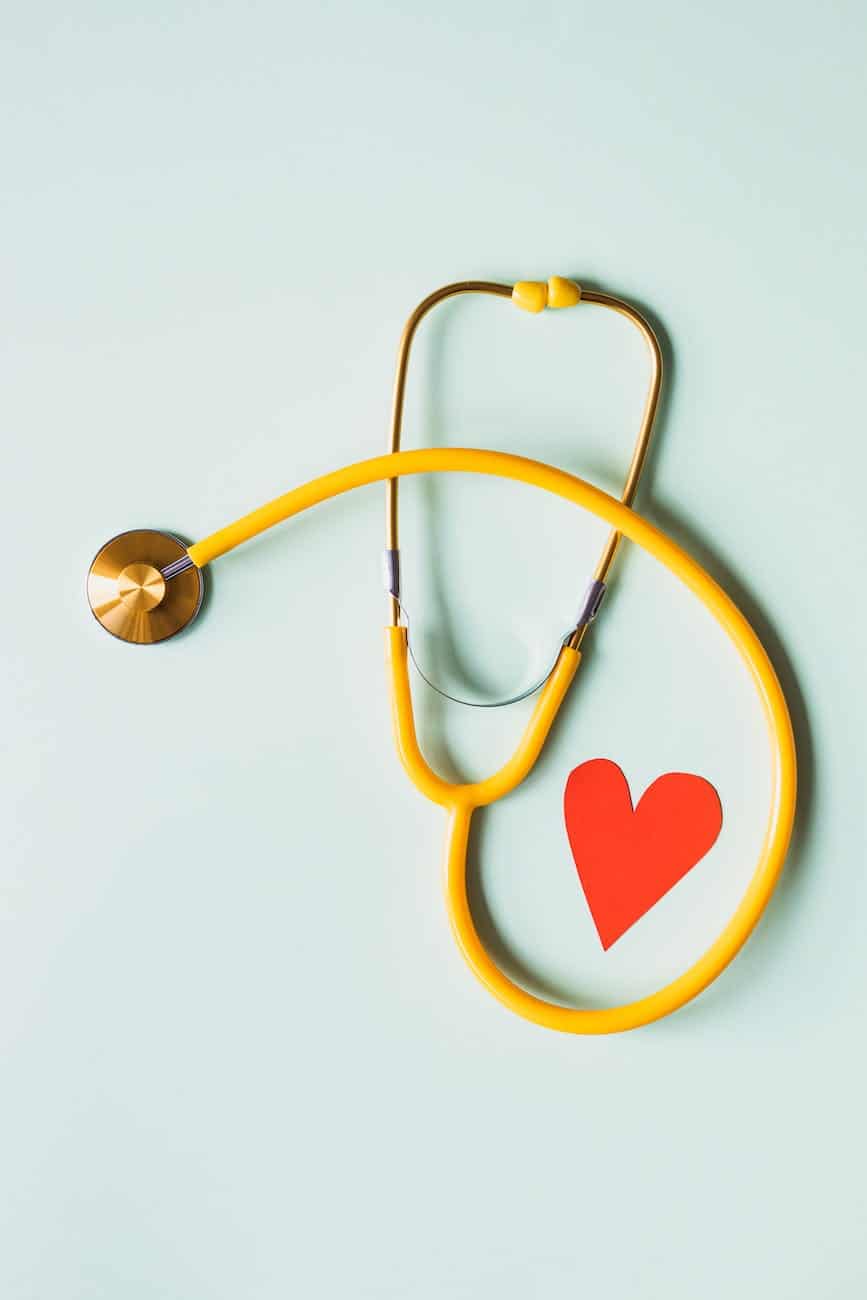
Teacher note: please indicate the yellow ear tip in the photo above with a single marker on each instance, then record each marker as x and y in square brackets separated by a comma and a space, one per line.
[530, 295]
[563, 292]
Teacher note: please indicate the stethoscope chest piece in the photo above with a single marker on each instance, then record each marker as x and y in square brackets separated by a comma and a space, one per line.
[143, 587]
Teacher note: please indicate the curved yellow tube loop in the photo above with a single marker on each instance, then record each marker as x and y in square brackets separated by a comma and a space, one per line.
[461, 800]
[474, 794]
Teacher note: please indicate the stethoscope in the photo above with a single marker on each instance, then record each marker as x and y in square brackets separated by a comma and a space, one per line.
[145, 586]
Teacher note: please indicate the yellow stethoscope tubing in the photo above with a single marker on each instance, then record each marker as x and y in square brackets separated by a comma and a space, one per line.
[462, 799]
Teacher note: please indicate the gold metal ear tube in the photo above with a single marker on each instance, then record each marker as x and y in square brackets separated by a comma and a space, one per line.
[532, 296]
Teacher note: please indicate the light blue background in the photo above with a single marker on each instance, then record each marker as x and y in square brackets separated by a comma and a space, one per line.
[240, 1055]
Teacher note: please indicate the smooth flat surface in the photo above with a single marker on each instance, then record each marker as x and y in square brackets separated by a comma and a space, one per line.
[240, 1055]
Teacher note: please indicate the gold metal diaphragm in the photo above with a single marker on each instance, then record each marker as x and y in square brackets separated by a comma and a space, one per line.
[131, 593]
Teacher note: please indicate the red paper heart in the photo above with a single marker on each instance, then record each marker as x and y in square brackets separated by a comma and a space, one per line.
[628, 858]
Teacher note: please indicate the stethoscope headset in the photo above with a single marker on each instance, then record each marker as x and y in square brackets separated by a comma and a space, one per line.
[144, 586]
